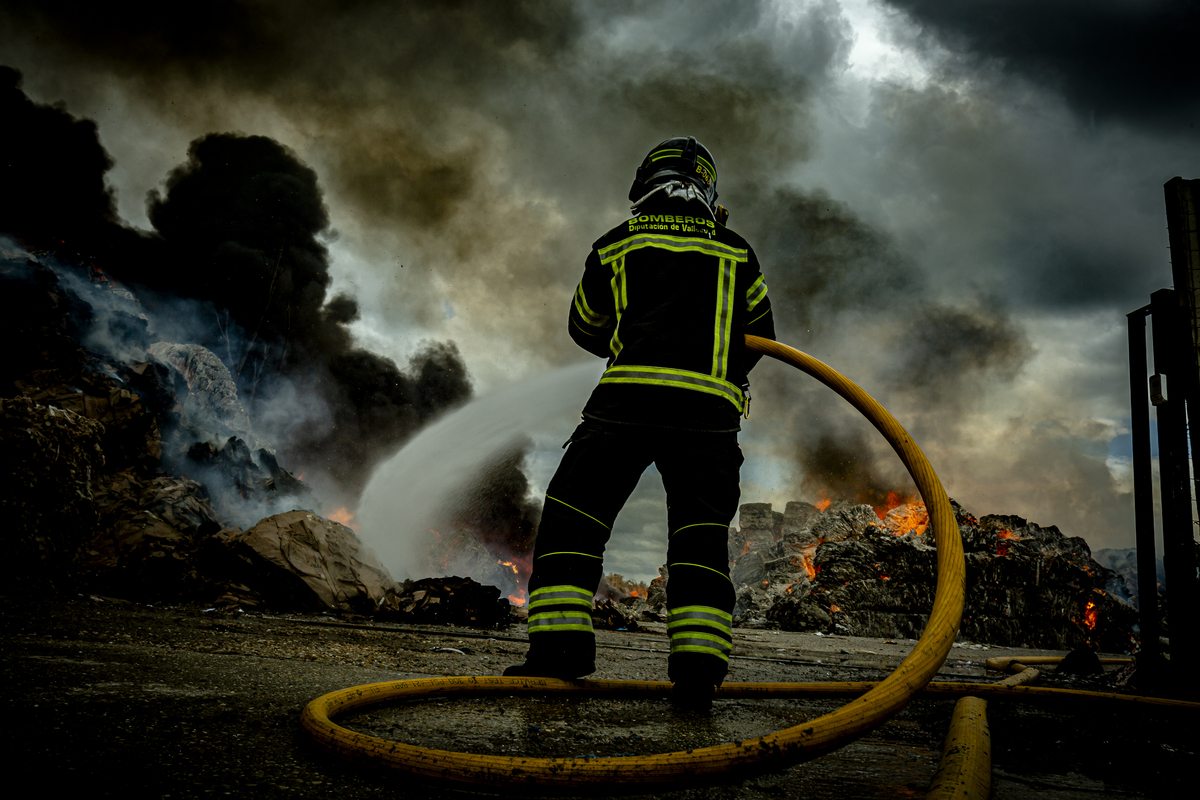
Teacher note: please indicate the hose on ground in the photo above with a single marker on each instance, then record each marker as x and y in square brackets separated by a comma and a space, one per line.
[965, 770]
[701, 765]
[1009, 663]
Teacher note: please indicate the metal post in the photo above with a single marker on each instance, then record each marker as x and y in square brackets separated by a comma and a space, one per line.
[1143, 488]
[1179, 558]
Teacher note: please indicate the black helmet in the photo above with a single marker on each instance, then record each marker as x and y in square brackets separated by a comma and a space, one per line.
[678, 158]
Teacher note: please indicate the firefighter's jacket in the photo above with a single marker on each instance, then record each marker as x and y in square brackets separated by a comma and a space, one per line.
[667, 298]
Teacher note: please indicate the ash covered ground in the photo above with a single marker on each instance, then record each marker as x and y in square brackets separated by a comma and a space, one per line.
[179, 701]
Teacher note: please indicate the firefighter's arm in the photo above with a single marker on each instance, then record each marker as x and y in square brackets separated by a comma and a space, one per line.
[759, 321]
[593, 316]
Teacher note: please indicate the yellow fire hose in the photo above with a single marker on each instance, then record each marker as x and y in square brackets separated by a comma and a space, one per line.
[701, 765]
[965, 770]
[1009, 663]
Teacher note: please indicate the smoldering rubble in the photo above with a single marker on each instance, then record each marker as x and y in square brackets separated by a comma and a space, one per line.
[849, 570]
[144, 480]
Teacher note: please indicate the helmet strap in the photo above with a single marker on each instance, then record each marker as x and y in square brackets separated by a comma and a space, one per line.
[684, 190]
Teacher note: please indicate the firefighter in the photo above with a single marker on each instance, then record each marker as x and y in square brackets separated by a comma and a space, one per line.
[666, 298]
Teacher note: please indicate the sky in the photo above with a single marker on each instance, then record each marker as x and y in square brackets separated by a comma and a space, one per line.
[954, 204]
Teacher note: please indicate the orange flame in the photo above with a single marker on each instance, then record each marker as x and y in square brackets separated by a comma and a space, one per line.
[834, 608]
[345, 517]
[634, 593]
[521, 567]
[823, 503]
[907, 518]
[1089, 615]
[805, 560]
[895, 500]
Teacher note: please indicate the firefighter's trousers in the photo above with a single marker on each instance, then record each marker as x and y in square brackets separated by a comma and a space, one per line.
[700, 472]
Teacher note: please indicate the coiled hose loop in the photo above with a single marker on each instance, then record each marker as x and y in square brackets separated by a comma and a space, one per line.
[702, 765]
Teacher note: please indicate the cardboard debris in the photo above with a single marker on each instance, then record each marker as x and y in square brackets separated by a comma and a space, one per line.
[449, 600]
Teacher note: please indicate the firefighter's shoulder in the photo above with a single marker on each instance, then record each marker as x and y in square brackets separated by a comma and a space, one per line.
[730, 236]
[669, 225]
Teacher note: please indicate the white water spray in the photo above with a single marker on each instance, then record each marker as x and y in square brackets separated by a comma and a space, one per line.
[409, 491]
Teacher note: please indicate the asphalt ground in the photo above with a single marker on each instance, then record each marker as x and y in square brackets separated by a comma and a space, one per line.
[120, 699]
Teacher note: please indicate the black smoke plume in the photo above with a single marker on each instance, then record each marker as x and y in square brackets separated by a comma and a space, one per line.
[842, 467]
[496, 505]
[52, 173]
[821, 259]
[239, 230]
[243, 219]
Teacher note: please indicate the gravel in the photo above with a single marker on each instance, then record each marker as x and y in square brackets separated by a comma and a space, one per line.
[125, 699]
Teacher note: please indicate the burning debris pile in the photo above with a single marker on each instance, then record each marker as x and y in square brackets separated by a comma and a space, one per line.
[448, 601]
[131, 478]
[116, 479]
[253, 485]
[461, 553]
[847, 569]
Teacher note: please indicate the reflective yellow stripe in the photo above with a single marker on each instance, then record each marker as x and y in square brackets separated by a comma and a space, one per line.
[562, 591]
[582, 329]
[585, 311]
[708, 623]
[760, 316]
[682, 378]
[726, 276]
[568, 553]
[559, 596]
[568, 620]
[659, 155]
[685, 638]
[676, 244]
[687, 612]
[701, 566]
[620, 300]
[566, 601]
[576, 510]
[559, 617]
[697, 524]
[709, 651]
[756, 293]
[533, 629]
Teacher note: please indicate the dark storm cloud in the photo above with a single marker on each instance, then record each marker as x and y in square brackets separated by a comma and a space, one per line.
[1110, 59]
[256, 43]
[1007, 194]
